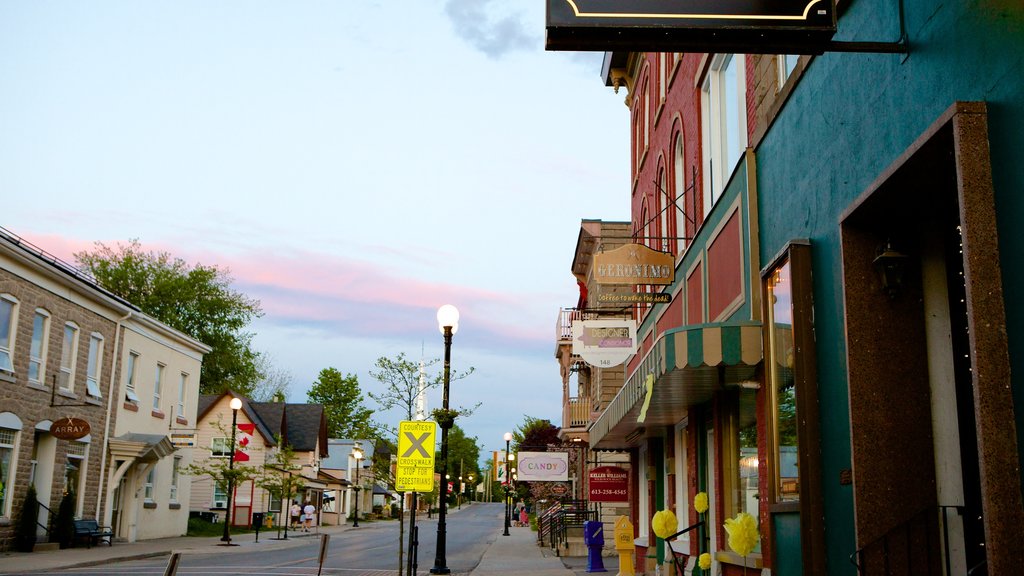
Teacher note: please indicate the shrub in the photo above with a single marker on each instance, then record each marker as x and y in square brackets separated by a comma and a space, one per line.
[25, 530]
[62, 528]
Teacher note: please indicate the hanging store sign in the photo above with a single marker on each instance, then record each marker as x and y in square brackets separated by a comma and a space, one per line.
[604, 343]
[542, 466]
[609, 484]
[70, 428]
[634, 264]
[716, 26]
[639, 298]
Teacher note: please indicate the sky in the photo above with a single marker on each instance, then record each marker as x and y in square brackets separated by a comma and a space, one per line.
[353, 164]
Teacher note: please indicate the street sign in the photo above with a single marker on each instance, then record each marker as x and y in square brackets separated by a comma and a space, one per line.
[415, 466]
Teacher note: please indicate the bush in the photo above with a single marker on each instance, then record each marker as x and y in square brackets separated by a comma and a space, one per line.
[25, 530]
[62, 528]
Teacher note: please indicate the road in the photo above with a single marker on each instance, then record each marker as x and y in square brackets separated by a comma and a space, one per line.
[370, 550]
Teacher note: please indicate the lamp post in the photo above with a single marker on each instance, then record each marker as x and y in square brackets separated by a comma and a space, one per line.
[472, 486]
[448, 322]
[508, 479]
[358, 455]
[236, 405]
[458, 495]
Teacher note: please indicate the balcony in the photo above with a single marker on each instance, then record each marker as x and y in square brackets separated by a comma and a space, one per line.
[576, 413]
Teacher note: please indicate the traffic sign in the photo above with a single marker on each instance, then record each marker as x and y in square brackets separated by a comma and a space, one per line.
[415, 466]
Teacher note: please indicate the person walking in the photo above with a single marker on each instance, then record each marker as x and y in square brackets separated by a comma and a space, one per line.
[308, 513]
[296, 514]
[524, 518]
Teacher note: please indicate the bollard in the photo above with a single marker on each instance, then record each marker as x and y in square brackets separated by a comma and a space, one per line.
[624, 546]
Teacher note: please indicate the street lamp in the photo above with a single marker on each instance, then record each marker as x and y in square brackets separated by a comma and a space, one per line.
[357, 453]
[236, 405]
[472, 486]
[508, 438]
[448, 322]
[461, 490]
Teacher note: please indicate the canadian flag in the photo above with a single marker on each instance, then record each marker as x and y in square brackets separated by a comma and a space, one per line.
[243, 440]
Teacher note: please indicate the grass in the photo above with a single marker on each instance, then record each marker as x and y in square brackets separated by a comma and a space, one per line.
[200, 527]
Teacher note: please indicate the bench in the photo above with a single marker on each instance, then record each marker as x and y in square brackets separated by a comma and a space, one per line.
[92, 533]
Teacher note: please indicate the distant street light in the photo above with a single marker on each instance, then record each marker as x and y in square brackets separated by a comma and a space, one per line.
[508, 481]
[236, 405]
[357, 453]
[448, 323]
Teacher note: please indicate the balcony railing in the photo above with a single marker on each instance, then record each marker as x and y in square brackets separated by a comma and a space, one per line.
[576, 413]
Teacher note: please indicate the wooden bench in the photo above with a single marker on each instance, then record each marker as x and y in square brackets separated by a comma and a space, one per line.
[92, 533]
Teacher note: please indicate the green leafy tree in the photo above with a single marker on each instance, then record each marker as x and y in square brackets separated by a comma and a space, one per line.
[343, 405]
[197, 300]
[535, 435]
[280, 476]
[25, 533]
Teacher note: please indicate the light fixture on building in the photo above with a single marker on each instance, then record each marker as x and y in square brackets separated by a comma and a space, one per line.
[891, 266]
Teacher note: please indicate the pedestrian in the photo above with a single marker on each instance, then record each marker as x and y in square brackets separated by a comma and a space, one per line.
[524, 519]
[308, 513]
[296, 514]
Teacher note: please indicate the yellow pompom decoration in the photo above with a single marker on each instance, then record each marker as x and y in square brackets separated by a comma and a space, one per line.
[704, 561]
[700, 502]
[664, 524]
[743, 535]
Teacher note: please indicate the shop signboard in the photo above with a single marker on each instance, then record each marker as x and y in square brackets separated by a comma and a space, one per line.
[604, 343]
[542, 466]
[609, 484]
[70, 428]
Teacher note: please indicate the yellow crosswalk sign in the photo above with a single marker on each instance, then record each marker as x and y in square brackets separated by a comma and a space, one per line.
[415, 466]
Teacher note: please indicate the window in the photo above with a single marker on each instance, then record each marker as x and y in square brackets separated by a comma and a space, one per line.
[740, 459]
[39, 346]
[182, 386]
[8, 317]
[787, 64]
[220, 495]
[7, 437]
[679, 191]
[724, 127]
[150, 480]
[219, 447]
[663, 61]
[69, 357]
[129, 386]
[92, 373]
[663, 212]
[157, 383]
[74, 471]
[175, 473]
[783, 416]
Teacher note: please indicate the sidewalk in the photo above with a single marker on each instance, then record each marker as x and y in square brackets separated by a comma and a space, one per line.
[516, 553]
[50, 561]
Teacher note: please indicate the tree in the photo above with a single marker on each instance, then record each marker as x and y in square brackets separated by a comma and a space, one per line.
[62, 527]
[279, 477]
[401, 379]
[220, 470]
[197, 300]
[274, 384]
[535, 435]
[343, 405]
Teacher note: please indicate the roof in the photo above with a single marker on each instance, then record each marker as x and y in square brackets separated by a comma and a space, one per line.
[341, 448]
[300, 426]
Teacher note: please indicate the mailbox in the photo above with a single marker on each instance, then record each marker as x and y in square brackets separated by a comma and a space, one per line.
[593, 533]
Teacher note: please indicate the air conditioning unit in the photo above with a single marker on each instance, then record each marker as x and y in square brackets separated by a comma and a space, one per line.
[220, 504]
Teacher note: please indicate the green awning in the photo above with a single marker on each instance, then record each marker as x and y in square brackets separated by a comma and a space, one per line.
[688, 365]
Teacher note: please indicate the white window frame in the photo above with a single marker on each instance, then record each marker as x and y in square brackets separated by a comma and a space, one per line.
[39, 347]
[12, 446]
[158, 378]
[721, 117]
[130, 394]
[94, 368]
[79, 450]
[69, 356]
[220, 451]
[787, 64]
[681, 485]
[8, 341]
[220, 487]
[182, 386]
[664, 199]
[148, 486]
[175, 475]
[679, 193]
[643, 505]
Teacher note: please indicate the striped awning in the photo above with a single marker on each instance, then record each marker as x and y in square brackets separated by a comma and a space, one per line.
[685, 367]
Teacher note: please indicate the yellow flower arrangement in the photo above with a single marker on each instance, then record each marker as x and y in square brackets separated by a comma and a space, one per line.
[664, 524]
[743, 535]
[704, 561]
[700, 502]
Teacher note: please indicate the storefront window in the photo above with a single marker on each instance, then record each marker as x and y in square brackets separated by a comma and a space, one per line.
[783, 389]
[6, 455]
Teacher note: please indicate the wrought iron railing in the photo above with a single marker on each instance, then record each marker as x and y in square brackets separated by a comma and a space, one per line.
[554, 523]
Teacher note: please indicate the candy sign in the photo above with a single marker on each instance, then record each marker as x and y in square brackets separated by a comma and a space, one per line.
[543, 466]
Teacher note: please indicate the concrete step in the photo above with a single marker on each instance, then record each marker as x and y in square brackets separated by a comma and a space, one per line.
[46, 546]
